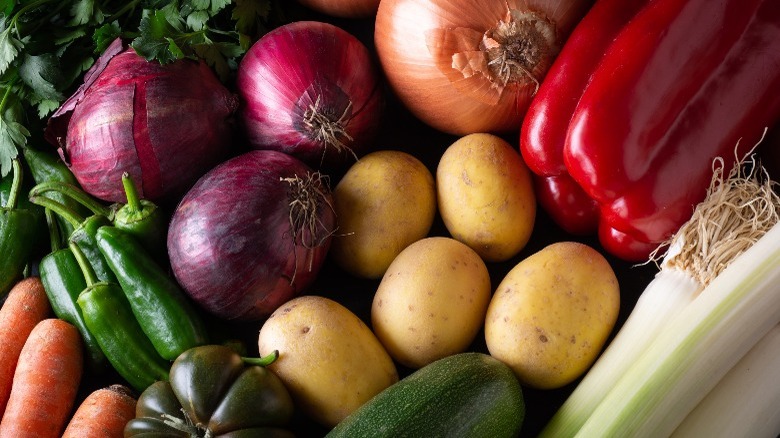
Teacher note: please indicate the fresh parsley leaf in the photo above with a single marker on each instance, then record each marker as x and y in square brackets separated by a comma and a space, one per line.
[246, 13]
[220, 56]
[157, 35]
[9, 48]
[46, 106]
[218, 5]
[43, 75]
[83, 12]
[13, 135]
[198, 20]
[105, 35]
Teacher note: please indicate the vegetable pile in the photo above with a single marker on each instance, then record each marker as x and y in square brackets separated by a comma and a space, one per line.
[406, 217]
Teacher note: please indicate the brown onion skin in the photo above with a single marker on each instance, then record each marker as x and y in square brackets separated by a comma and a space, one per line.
[229, 239]
[284, 73]
[343, 8]
[101, 131]
[404, 38]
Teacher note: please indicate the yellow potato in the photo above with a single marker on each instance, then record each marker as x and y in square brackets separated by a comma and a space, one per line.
[329, 360]
[431, 302]
[552, 313]
[384, 202]
[485, 196]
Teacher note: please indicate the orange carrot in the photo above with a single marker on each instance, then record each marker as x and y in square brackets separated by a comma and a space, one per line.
[25, 306]
[45, 383]
[104, 413]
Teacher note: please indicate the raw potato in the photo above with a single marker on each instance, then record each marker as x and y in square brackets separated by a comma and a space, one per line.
[329, 360]
[384, 202]
[486, 196]
[552, 313]
[431, 302]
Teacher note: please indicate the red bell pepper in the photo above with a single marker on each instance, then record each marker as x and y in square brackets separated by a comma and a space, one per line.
[650, 100]
[543, 134]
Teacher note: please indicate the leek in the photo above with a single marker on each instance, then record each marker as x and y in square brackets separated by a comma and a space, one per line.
[706, 338]
[738, 210]
[746, 402]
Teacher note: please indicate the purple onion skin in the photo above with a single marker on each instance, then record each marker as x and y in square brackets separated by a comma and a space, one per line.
[287, 70]
[166, 125]
[230, 240]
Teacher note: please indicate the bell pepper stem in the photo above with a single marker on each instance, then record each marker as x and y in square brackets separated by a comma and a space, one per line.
[133, 201]
[262, 361]
[62, 210]
[55, 238]
[86, 267]
[16, 185]
[74, 193]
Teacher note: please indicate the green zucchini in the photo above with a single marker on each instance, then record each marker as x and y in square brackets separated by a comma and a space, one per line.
[463, 395]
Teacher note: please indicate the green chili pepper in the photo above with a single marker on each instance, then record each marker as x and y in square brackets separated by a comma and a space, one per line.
[84, 234]
[47, 167]
[63, 281]
[214, 392]
[19, 233]
[109, 317]
[160, 305]
[139, 217]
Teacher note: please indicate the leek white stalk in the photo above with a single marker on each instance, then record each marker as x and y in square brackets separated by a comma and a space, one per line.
[707, 337]
[746, 402]
[721, 228]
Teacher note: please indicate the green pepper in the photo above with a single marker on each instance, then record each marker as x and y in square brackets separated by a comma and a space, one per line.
[46, 167]
[139, 217]
[168, 318]
[108, 316]
[83, 234]
[63, 281]
[214, 392]
[19, 232]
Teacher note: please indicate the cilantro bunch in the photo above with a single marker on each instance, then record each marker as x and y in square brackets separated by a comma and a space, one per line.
[47, 45]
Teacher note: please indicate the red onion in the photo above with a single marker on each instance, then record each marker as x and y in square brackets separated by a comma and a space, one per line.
[165, 125]
[310, 89]
[251, 234]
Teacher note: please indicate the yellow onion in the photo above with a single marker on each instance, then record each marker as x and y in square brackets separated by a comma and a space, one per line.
[343, 8]
[471, 66]
[165, 125]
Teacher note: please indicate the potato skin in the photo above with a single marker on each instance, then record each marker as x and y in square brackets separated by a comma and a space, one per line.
[485, 196]
[552, 313]
[383, 203]
[329, 359]
[431, 302]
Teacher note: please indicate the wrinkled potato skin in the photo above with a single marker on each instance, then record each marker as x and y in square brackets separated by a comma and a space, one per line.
[485, 196]
[384, 202]
[431, 302]
[552, 313]
[329, 360]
